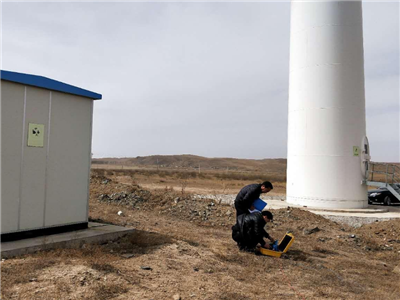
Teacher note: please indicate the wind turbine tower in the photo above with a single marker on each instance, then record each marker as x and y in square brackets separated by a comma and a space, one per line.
[327, 145]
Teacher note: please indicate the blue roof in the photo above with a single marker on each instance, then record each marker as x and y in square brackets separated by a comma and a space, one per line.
[47, 83]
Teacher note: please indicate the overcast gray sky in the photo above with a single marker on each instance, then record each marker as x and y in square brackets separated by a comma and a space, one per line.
[208, 79]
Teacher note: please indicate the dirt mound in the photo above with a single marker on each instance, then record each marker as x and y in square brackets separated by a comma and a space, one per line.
[302, 219]
[316, 232]
[131, 197]
[389, 229]
[204, 212]
[96, 178]
[179, 205]
[383, 236]
[105, 189]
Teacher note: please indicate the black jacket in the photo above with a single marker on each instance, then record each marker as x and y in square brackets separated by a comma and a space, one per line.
[247, 196]
[249, 231]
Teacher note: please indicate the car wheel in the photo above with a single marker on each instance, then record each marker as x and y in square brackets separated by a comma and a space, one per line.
[387, 201]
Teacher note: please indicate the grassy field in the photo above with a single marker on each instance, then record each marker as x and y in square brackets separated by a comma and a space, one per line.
[198, 174]
[193, 162]
[203, 182]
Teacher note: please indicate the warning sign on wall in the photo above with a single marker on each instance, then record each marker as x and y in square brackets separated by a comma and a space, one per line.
[35, 135]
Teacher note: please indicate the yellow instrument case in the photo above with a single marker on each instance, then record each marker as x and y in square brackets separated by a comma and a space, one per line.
[283, 246]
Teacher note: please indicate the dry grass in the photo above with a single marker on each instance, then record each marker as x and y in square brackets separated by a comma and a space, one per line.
[193, 162]
[207, 182]
[197, 258]
[203, 261]
[187, 174]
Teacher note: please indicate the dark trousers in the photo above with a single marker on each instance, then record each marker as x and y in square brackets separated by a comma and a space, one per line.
[240, 210]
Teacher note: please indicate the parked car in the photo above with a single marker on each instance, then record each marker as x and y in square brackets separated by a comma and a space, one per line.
[383, 195]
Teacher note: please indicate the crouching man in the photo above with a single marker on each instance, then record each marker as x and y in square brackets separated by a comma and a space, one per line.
[249, 232]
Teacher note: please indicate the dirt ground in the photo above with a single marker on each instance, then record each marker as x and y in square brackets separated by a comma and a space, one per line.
[182, 249]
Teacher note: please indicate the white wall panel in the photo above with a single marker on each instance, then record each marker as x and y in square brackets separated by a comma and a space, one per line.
[69, 158]
[34, 161]
[12, 108]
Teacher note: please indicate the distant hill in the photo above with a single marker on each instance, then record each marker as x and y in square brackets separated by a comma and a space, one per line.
[193, 162]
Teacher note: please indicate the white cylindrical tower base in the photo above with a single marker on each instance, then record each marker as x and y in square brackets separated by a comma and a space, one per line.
[326, 105]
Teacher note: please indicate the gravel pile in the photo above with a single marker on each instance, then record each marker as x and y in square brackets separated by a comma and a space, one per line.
[126, 198]
[230, 199]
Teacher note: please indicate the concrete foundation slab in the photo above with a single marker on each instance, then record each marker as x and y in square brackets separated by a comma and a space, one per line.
[370, 209]
[352, 217]
[96, 233]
